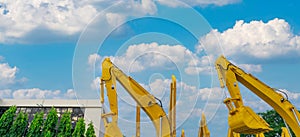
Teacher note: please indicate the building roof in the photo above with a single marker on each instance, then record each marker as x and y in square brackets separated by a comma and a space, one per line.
[50, 103]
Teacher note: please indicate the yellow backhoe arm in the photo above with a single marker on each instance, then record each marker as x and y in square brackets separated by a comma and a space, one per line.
[182, 133]
[110, 73]
[172, 106]
[111, 127]
[230, 74]
[285, 132]
[203, 129]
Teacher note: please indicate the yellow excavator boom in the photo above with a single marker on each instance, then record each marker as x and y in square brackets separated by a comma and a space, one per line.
[138, 121]
[230, 75]
[285, 132]
[172, 107]
[203, 129]
[147, 102]
[182, 133]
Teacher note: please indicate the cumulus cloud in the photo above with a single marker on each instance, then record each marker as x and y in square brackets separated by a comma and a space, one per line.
[5, 93]
[23, 20]
[201, 3]
[70, 94]
[7, 74]
[152, 55]
[36, 93]
[257, 105]
[94, 60]
[114, 19]
[249, 68]
[256, 39]
[200, 65]
[95, 85]
[214, 93]
[144, 56]
[64, 18]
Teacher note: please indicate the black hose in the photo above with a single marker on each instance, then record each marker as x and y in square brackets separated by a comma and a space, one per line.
[159, 101]
[286, 95]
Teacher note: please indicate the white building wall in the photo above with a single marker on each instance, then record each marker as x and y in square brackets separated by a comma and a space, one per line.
[92, 108]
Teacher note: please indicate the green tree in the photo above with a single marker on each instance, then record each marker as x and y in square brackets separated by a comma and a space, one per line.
[48, 134]
[19, 126]
[50, 123]
[65, 127]
[36, 126]
[275, 121]
[7, 120]
[90, 132]
[79, 128]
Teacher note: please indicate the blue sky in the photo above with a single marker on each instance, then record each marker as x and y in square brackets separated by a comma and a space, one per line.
[54, 50]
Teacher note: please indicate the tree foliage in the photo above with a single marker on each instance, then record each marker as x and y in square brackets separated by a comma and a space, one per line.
[65, 127]
[48, 134]
[6, 120]
[79, 128]
[90, 132]
[36, 126]
[19, 126]
[50, 123]
[275, 121]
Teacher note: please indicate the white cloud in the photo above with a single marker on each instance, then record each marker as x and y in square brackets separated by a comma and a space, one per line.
[256, 39]
[7, 74]
[22, 20]
[94, 60]
[95, 85]
[114, 19]
[36, 93]
[65, 17]
[214, 93]
[137, 8]
[257, 105]
[5, 93]
[154, 56]
[249, 68]
[159, 87]
[175, 3]
[200, 65]
[70, 94]
[68, 17]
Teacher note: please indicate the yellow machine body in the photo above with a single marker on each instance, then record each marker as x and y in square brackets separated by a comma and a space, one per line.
[146, 101]
[245, 120]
